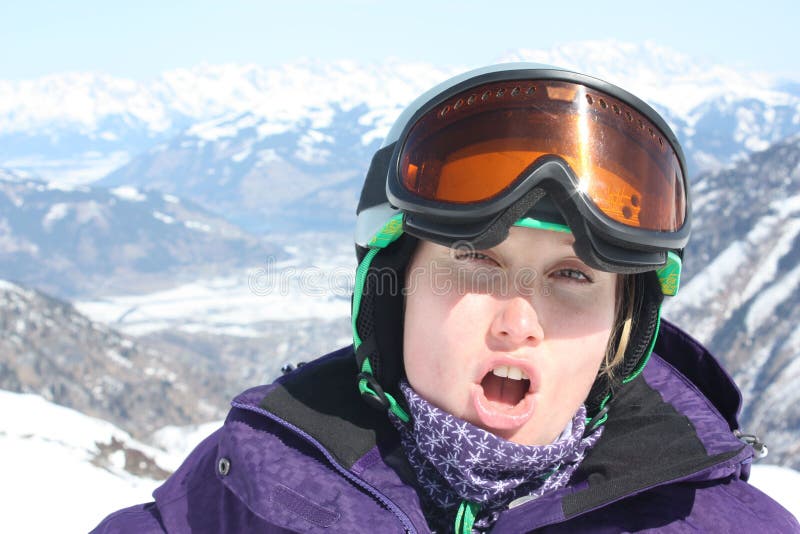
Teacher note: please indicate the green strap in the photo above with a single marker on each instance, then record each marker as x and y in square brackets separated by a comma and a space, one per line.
[636, 372]
[389, 233]
[465, 517]
[529, 222]
[669, 276]
[648, 353]
[394, 406]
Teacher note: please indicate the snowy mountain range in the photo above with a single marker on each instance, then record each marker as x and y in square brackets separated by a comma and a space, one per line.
[743, 286]
[62, 125]
[217, 134]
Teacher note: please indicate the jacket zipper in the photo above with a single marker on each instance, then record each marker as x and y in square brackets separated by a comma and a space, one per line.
[380, 497]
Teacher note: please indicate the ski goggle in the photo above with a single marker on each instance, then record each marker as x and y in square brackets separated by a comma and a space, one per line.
[474, 153]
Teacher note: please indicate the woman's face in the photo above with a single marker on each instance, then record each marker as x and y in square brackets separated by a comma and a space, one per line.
[510, 338]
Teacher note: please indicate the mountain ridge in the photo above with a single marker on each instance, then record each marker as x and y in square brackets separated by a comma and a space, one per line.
[89, 239]
[97, 123]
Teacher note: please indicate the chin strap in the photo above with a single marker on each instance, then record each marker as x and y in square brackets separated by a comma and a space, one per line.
[369, 297]
[602, 408]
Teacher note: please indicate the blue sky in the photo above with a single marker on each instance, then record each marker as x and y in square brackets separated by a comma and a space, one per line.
[141, 39]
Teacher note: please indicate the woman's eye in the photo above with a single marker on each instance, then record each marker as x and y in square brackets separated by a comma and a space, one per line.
[573, 274]
[473, 256]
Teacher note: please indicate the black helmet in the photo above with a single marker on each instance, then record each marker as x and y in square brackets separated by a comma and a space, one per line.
[522, 144]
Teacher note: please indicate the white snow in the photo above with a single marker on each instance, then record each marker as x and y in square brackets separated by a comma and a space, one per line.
[195, 225]
[266, 129]
[56, 212]
[214, 130]
[223, 101]
[181, 440]
[722, 286]
[768, 266]
[232, 305]
[77, 170]
[712, 281]
[128, 193]
[308, 148]
[764, 306]
[267, 155]
[227, 126]
[5, 285]
[91, 212]
[163, 217]
[57, 186]
[786, 207]
[780, 483]
[243, 155]
[296, 288]
[119, 359]
[48, 449]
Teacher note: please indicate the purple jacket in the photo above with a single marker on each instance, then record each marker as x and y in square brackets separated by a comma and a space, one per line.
[306, 454]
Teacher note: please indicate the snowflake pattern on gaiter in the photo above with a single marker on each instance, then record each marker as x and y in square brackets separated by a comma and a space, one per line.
[455, 460]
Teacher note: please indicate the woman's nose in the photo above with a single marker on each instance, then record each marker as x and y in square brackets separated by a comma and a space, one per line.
[517, 323]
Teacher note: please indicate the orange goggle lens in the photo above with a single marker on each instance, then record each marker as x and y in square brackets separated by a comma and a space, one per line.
[478, 144]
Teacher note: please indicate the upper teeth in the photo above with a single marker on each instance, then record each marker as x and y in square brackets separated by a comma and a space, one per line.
[514, 373]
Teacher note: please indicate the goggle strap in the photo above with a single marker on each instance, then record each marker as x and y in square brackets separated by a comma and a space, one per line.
[390, 232]
[530, 222]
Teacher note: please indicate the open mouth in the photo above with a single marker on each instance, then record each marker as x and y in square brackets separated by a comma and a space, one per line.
[505, 386]
[504, 399]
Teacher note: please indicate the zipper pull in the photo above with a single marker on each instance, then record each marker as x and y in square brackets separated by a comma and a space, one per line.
[759, 447]
[290, 367]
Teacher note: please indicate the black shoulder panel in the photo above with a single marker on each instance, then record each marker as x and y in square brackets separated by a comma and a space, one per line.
[321, 398]
[645, 432]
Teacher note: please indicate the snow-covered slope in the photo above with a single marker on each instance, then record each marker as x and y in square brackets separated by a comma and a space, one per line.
[743, 289]
[89, 239]
[65, 470]
[780, 483]
[179, 376]
[50, 349]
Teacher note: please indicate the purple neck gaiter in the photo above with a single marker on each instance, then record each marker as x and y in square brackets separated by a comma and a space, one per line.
[456, 461]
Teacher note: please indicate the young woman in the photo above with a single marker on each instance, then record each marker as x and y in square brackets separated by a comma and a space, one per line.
[516, 235]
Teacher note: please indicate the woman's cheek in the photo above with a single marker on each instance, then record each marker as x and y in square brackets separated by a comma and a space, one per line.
[577, 316]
